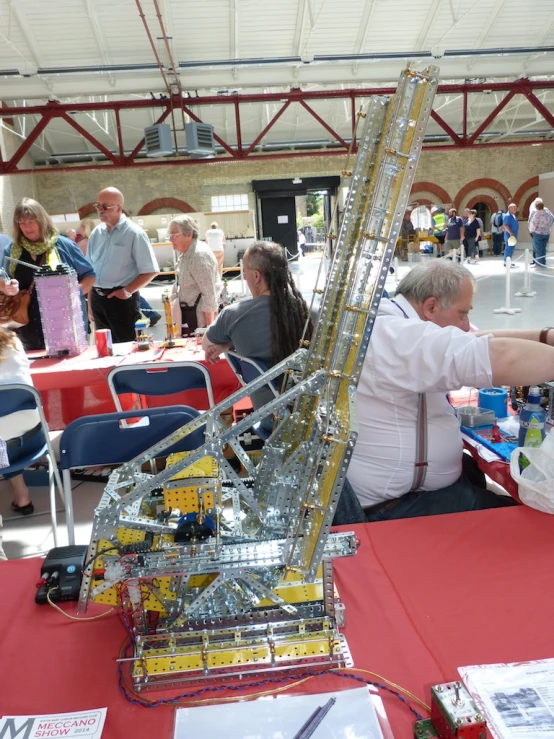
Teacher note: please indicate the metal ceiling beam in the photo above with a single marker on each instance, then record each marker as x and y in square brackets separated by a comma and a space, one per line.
[50, 111]
[262, 157]
[328, 128]
[234, 28]
[427, 25]
[490, 118]
[270, 125]
[294, 95]
[90, 138]
[539, 106]
[34, 48]
[298, 42]
[10, 166]
[445, 127]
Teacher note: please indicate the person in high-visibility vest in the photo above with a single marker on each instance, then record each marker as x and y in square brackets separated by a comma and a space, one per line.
[439, 224]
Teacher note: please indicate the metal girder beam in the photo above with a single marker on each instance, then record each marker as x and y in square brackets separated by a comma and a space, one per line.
[234, 28]
[10, 166]
[267, 128]
[365, 24]
[427, 25]
[188, 162]
[328, 128]
[261, 157]
[301, 24]
[292, 96]
[444, 125]
[89, 137]
[57, 110]
[238, 128]
[539, 106]
[488, 120]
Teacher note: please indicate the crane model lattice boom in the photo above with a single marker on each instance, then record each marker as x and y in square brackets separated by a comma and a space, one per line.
[241, 579]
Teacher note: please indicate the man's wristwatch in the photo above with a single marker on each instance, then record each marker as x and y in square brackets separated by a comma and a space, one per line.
[127, 293]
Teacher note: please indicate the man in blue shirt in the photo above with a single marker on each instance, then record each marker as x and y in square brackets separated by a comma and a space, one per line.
[511, 228]
[124, 262]
[454, 232]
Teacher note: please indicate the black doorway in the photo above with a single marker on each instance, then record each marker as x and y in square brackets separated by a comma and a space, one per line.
[279, 222]
[277, 206]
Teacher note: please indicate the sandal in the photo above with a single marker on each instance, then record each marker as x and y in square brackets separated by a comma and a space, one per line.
[25, 510]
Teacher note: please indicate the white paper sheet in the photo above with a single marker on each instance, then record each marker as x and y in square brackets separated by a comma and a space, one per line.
[517, 699]
[281, 717]
[87, 724]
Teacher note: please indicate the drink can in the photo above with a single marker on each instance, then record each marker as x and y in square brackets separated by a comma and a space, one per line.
[103, 339]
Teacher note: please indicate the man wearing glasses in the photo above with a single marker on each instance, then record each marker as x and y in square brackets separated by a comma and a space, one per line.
[124, 262]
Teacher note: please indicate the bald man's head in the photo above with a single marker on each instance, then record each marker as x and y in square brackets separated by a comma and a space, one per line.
[113, 193]
[109, 206]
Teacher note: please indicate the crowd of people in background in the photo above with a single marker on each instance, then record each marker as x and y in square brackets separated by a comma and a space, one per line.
[456, 234]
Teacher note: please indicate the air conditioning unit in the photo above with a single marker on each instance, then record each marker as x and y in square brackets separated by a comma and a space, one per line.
[158, 140]
[200, 140]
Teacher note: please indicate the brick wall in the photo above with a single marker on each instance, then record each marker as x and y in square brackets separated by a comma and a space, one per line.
[496, 176]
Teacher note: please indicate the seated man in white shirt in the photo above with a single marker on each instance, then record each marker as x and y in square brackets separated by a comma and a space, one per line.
[421, 346]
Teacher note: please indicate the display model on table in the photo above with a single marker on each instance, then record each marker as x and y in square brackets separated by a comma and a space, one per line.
[60, 311]
[201, 543]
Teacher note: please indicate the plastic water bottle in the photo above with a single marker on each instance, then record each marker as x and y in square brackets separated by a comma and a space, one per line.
[532, 420]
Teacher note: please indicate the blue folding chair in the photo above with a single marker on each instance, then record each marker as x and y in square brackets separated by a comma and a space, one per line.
[19, 397]
[108, 439]
[160, 378]
[247, 370]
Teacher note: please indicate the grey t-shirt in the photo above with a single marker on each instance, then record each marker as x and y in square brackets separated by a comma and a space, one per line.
[247, 325]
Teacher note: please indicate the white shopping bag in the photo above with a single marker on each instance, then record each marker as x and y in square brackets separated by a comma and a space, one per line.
[536, 481]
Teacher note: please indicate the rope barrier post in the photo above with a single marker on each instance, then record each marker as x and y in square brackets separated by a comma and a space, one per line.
[506, 308]
[526, 291]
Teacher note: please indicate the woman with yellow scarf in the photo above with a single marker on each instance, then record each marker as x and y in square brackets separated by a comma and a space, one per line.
[36, 242]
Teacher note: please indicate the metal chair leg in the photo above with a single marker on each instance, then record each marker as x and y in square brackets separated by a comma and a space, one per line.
[52, 485]
[70, 523]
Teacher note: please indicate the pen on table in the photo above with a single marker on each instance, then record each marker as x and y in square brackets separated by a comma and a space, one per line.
[314, 720]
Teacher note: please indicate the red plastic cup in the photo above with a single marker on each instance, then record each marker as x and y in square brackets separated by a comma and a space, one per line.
[103, 339]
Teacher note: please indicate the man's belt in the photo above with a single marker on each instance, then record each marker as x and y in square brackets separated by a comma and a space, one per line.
[105, 291]
[20, 440]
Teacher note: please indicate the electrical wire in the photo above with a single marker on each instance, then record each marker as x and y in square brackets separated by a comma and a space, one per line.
[75, 618]
[185, 698]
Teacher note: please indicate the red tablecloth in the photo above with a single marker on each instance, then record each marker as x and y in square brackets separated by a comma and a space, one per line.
[77, 386]
[423, 596]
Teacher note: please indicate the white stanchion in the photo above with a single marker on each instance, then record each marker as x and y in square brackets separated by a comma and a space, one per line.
[506, 308]
[396, 275]
[526, 291]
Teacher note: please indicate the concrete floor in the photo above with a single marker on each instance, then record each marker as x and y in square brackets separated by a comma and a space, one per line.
[32, 535]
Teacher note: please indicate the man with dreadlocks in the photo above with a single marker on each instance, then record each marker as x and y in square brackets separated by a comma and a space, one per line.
[269, 325]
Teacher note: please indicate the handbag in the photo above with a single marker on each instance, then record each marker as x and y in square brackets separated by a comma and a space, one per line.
[15, 308]
[189, 320]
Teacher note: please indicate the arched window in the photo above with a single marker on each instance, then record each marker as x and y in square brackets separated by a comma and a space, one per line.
[484, 213]
[421, 218]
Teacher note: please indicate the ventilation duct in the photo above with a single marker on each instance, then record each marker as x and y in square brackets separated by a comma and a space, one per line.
[200, 140]
[158, 140]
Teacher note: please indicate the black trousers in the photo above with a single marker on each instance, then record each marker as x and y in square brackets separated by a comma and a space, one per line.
[117, 315]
